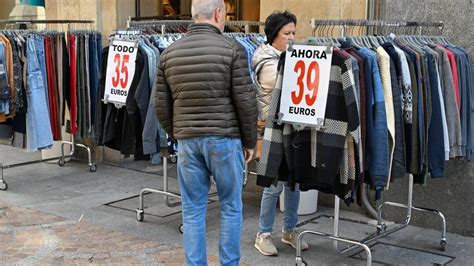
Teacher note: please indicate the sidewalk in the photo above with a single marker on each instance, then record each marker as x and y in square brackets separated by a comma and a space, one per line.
[66, 216]
[29, 237]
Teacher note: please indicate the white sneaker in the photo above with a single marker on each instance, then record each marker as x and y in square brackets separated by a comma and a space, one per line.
[291, 238]
[264, 244]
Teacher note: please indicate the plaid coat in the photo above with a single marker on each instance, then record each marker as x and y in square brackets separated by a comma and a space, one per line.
[326, 160]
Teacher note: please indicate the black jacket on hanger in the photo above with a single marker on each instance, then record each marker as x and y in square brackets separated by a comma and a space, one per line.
[119, 129]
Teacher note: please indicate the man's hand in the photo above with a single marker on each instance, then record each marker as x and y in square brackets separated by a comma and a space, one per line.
[248, 154]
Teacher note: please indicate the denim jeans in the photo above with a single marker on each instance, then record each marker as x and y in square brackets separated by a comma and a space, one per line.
[268, 206]
[94, 74]
[87, 107]
[39, 45]
[39, 134]
[198, 158]
[4, 85]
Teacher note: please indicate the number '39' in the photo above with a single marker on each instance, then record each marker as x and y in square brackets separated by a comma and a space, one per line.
[312, 83]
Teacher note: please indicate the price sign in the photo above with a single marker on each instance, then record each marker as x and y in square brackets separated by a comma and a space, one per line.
[305, 84]
[120, 70]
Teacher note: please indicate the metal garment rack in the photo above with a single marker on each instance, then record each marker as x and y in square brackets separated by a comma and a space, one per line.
[140, 211]
[61, 159]
[141, 208]
[381, 227]
[131, 25]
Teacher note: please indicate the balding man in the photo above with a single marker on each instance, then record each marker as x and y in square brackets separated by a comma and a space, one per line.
[205, 99]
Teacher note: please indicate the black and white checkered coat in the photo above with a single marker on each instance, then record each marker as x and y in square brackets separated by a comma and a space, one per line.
[329, 155]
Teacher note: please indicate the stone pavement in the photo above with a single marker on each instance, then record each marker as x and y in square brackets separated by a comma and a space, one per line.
[53, 215]
[30, 237]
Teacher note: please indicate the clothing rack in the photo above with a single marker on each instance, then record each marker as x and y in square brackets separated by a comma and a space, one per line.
[140, 212]
[365, 22]
[381, 226]
[61, 159]
[24, 22]
[376, 26]
[164, 23]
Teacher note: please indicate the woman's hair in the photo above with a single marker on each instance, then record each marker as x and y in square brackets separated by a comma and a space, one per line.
[275, 22]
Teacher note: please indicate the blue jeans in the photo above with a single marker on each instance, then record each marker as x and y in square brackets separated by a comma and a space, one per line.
[94, 75]
[268, 206]
[42, 61]
[4, 83]
[198, 158]
[39, 135]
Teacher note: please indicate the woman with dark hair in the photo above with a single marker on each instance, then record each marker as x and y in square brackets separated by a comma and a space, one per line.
[280, 27]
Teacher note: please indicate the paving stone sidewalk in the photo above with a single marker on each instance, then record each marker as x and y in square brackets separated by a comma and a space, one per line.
[30, 237]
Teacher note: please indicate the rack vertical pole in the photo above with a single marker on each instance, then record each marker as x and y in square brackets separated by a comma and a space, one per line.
[336, 219]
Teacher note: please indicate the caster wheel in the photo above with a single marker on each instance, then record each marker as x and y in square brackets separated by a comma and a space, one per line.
[300, 262]
[173, 159]
[140, 215]
[443, 245]
[61, 162]
[92, 168]
[3, 185]
[181, 228]
[381, 228]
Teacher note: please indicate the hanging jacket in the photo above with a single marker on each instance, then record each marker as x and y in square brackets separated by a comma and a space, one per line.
[407, 104]
[377, 160]
[435, 148]
[264, 64]
[399, 158]
[384, 66]
[283, 145]
[450, 104]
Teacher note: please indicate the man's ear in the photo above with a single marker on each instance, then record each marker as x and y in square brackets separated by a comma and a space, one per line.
[217, 14]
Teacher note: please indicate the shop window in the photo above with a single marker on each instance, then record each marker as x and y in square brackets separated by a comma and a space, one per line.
[181, 9]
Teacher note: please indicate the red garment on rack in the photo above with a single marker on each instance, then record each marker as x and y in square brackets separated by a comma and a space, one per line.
[454, 69]
[57, 100]
[51, 89]
[72, 75]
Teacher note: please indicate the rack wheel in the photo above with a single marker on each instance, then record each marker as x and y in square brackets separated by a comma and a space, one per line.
[181, 228]
[300, 262]
[93, 168]
[173, 159]
[61, 162]
[3, 185]
[443, 245]
[140, 215]
[381, 228]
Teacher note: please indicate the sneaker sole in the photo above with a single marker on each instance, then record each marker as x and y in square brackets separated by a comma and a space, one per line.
[264, 253]
[291, 244]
